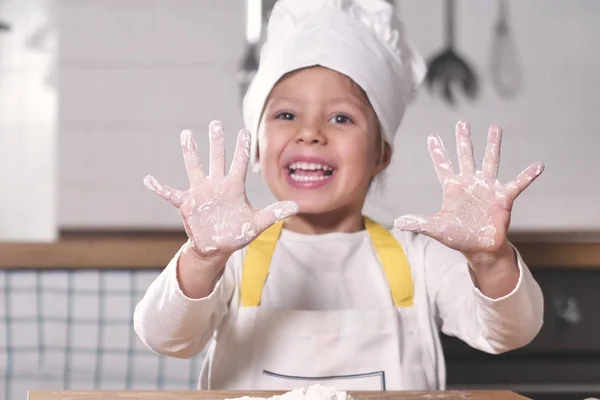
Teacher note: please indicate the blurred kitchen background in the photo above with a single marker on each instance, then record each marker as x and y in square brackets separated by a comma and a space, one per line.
[94, 94]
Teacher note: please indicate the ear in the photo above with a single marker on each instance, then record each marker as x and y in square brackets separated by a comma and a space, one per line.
[384, 158]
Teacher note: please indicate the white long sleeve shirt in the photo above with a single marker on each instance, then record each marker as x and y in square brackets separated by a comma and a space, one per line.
[337, 271]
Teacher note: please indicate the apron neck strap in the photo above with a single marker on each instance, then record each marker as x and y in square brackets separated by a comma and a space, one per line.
[391, 256]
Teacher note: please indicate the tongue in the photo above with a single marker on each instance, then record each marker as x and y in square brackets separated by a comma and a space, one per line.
[309, 172]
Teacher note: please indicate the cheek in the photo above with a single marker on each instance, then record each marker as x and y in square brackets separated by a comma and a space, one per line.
[270, 146]
[360, 164]
[359, 153]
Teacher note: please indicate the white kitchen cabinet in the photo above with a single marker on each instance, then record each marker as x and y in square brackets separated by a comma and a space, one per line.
[28, 121]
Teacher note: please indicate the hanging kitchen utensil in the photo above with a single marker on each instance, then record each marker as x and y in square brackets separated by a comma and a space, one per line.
[447, 71]
[504, 65]
[249, 63]
[4, 26]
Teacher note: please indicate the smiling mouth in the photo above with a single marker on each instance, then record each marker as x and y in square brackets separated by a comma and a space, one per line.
[305, 171]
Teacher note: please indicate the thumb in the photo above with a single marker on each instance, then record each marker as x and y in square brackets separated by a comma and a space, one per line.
[416, 224]
[275, 213]
[173, 196]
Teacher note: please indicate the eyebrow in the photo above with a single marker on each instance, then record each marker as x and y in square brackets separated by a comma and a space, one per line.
[353, 100]
[282, 98]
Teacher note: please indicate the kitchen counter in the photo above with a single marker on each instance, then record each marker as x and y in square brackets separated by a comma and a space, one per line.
[221, 395]
[153, 250]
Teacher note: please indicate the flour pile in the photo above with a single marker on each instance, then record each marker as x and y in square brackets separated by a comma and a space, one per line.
[314, 392]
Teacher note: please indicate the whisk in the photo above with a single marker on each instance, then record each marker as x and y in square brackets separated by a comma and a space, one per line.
[505, 70]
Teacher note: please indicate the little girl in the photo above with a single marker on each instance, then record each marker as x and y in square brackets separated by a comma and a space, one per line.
[309, 290]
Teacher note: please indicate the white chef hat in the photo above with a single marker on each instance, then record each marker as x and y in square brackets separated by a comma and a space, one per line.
[362, 39]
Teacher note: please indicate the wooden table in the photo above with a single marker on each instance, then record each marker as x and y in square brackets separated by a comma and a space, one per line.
[221, 395]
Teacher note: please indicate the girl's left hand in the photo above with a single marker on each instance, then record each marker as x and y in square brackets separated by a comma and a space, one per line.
[476, 208]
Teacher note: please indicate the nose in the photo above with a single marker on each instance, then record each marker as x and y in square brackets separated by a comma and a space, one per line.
[310, 134]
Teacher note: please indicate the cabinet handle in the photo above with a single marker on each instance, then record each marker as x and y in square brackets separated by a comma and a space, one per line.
[568, 311]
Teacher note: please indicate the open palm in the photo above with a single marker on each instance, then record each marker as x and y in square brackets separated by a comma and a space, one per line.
[476, 208]
[215, 210]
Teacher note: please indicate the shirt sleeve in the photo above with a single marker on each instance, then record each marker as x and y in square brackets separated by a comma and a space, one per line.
[172, 324]
[462, 310]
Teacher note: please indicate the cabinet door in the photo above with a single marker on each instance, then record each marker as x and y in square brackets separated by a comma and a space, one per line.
[28, 121]
[562, 362]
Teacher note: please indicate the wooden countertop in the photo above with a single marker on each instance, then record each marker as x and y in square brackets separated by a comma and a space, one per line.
[221, 395]
[153, 250]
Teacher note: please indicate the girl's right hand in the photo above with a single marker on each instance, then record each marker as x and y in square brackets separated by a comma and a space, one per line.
[216, 214]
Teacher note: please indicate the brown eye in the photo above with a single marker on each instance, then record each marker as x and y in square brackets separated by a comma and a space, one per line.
[285, 116]
[341, 119]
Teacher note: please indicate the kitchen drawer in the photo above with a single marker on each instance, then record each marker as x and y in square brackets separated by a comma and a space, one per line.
[571, 315]
[562, 362]
[537, 371]
[536, 378]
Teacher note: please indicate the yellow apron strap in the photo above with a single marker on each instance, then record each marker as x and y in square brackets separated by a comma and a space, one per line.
[393, 260]
[256, 265]
[394, 263]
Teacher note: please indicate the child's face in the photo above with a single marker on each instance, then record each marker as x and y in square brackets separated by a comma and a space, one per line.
[319, 142]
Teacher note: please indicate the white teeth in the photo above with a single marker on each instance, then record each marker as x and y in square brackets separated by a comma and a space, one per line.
[309, 166]
[306, 178]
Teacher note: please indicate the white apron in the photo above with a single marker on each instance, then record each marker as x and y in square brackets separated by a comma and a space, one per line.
[276, 349]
